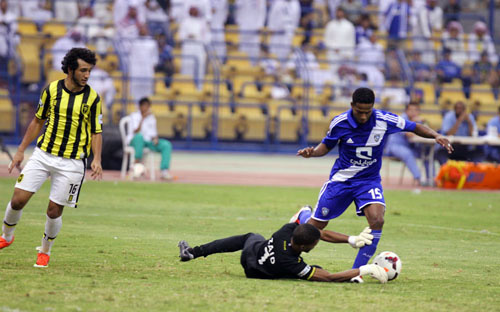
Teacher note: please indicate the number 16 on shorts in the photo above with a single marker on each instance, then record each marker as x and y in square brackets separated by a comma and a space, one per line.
[73, 188]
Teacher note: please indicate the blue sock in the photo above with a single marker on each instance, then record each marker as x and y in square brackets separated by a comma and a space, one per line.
[366, 252]
[304, 216]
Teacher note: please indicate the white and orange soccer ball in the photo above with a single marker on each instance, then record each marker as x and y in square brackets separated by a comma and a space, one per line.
[390, 262]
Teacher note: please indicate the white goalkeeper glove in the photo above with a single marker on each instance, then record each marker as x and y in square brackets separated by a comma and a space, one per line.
[375, 271]
[364, 238]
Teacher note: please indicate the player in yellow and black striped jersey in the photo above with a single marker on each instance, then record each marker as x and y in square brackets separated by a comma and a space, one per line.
[71, 119]
[70, 110]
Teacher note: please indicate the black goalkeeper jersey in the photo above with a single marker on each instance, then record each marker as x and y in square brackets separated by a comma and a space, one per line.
[275, 258]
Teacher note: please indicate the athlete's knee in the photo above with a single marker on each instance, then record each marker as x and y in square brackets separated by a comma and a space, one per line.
[19, 199]
[376, 222]
[54, 210]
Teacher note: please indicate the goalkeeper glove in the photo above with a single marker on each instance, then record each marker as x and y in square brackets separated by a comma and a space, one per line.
[375, 271]
[364, 238]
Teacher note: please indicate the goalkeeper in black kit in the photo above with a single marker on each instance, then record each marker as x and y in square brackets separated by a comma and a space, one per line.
[279, 256]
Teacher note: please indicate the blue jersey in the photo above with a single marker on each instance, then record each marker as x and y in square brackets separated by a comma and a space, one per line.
[361, 146]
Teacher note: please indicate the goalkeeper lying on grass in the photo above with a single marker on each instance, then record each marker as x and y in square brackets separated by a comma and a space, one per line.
[279, 256]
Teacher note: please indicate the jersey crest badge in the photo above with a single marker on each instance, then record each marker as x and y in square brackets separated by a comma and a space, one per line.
[377, 137]
[85, 108]
[325, 211]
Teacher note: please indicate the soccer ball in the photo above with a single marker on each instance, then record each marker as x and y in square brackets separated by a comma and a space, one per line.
[138, 170]
[390, 262]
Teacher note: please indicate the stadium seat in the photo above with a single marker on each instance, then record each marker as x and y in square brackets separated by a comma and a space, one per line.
[53, 75]
[232, 37]
[183, 88]
[26, 27]
[238, 63]
[482, 93]
[7, 112]
[129, 152]
[429, 93]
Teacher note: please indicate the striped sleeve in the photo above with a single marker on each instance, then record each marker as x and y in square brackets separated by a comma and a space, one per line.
[43, 104]
[333, 134]
[395, 123]
[96, 116]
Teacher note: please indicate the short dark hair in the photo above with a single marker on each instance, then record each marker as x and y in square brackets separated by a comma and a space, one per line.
[363, 96]
[305, 234]
[70, 60]
[144, 100]
[412, 103]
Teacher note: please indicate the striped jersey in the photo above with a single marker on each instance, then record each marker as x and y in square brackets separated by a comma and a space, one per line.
[71, 119]
[361, 145]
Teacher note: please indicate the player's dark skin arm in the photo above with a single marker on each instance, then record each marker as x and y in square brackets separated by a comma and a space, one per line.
[96, 151]
[32, 132]
[320, 150]
[426, 132]
[321, 275]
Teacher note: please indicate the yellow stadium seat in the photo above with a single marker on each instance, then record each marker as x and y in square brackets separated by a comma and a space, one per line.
[29, 53]
[482, 93]
[54, 29]
[183, 88]
[53, 75]
[26, 27]
[429, 93]
[7, 112]
[232, 36]
[238, 63]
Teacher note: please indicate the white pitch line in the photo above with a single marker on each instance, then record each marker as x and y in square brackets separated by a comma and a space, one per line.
[437, 227]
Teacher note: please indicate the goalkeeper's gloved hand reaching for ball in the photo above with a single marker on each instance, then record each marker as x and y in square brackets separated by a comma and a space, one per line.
[364, 238]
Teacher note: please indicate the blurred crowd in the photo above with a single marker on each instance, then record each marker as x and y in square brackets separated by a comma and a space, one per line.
[383, 44]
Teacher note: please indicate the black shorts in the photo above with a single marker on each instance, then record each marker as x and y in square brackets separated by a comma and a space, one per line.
[249, 256]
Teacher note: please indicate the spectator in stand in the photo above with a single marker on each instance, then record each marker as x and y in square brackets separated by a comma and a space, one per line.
[220, 11]
[396, 20]
[371, 53]
[365, 28]
[435, 15]
[482, 69]
[446, 69]
[8, 28]
[156, 18]
[307, 18]
[353, 9]
[493, 129]
[66, 11]
[283, 19]
[480, 41]
[194, 34]
[127, 13]
[250, 17]
[37, 10]
[399, 145]
[91, 29]
[72, 39]
[129, 16]
[459, 122]
[340, 40]
[166, 61]
[422, 32]
[143, 58]
[102, 83]
[452, 11]
[421, 71]
[453, 39]
[332, 6]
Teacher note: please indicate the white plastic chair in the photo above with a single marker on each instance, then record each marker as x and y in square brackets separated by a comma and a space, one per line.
[129, 152]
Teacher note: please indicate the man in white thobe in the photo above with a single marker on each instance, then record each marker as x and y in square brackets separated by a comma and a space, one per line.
[73, 39]
[143, 58]
[250, 17]
[282, 20]
[220, 10]
[194, 34]
[102, 83]
[340, 40]
[480, 41]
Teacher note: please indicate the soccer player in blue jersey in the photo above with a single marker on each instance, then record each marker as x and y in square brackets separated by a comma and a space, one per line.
[360, 133]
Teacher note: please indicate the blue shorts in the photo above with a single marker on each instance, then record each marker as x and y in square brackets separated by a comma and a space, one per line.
[335, 197]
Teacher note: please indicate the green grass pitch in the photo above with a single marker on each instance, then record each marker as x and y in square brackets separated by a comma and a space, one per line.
[118, 252]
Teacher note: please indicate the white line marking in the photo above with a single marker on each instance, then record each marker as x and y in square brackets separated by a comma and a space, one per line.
[437, 227]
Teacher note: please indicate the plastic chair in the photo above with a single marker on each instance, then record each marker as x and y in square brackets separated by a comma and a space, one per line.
[129, 152]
